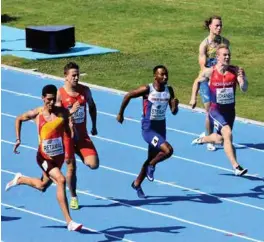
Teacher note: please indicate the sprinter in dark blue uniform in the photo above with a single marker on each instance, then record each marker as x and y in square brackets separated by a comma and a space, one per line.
[156, 97]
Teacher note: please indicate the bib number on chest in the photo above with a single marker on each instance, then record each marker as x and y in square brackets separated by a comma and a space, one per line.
[225, 95]
[158, 112]
[78, 116]
[52, 147]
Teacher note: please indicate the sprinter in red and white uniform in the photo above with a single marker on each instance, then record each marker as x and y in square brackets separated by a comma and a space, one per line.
[223, 79]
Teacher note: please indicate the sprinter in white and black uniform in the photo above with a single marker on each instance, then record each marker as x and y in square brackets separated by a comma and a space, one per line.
[156, 97]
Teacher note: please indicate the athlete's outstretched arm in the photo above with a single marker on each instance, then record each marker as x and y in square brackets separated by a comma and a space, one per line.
[29, 115]
[173, 102]
[139, 92]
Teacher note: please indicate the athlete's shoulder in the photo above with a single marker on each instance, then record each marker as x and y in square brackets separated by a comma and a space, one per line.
[84, 90]
[33, 113]
[61, 112]
[83, 87]
[225, 41]
[61, 89]
[203, 44]
[170, 90]
[233, 69]
[169, 87]
[204, 41]
[38, 110]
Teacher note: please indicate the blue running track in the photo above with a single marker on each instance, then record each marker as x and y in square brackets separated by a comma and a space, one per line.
[195, 196]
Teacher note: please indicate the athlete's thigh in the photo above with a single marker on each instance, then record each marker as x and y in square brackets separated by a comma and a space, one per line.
[218, 119]
[56, 175]
[48, 164]
[230, 118]
[153, 138]
[85, 147]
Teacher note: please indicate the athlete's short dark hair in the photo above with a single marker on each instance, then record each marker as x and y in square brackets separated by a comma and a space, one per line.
[158, 67]
[49, 89]
[70, 65]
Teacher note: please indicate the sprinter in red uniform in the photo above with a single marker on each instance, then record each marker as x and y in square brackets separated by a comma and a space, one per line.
[75, 97]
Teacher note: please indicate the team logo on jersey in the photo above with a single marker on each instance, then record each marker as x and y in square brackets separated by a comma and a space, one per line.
[49, 141]
[164, 94]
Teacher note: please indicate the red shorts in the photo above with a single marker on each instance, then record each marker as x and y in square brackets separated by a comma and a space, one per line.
[68, 147]
[48, 164]
[85, 147]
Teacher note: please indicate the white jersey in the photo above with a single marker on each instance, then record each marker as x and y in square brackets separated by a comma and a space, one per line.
[155, 104]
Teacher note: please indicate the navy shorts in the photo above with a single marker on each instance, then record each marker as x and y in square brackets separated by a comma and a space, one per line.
[222, 118]
[154, 137]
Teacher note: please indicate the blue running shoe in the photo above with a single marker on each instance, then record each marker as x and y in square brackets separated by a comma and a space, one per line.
[139, 190]
[150, 173]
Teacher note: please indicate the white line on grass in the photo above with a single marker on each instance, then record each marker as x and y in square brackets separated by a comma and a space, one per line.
[61, 221]
[129, 119]
[163, 215]
[161, 182]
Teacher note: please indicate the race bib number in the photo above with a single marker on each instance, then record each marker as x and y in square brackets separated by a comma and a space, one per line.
[52, 147]
[79, 115]
[158, 112]
[225, 95]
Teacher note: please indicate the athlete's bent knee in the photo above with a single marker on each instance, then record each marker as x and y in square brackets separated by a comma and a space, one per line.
[61, 180]
[218, 139]
[226, 132]
[168, 151]
[92, 162]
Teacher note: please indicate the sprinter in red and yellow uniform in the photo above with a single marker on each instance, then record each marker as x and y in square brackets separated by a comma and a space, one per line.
[55, 145]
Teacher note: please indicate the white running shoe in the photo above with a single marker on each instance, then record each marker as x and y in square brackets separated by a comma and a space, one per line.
[211, 147]
[198, 141]
[240, 171]
[73, 226]
[13, 182]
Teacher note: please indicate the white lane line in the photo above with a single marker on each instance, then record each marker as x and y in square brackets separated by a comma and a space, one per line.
[61, 221]
[132, 120]
[100, 112]
[164, 215]
[161, 182]
[110, 90]
[145, 149]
